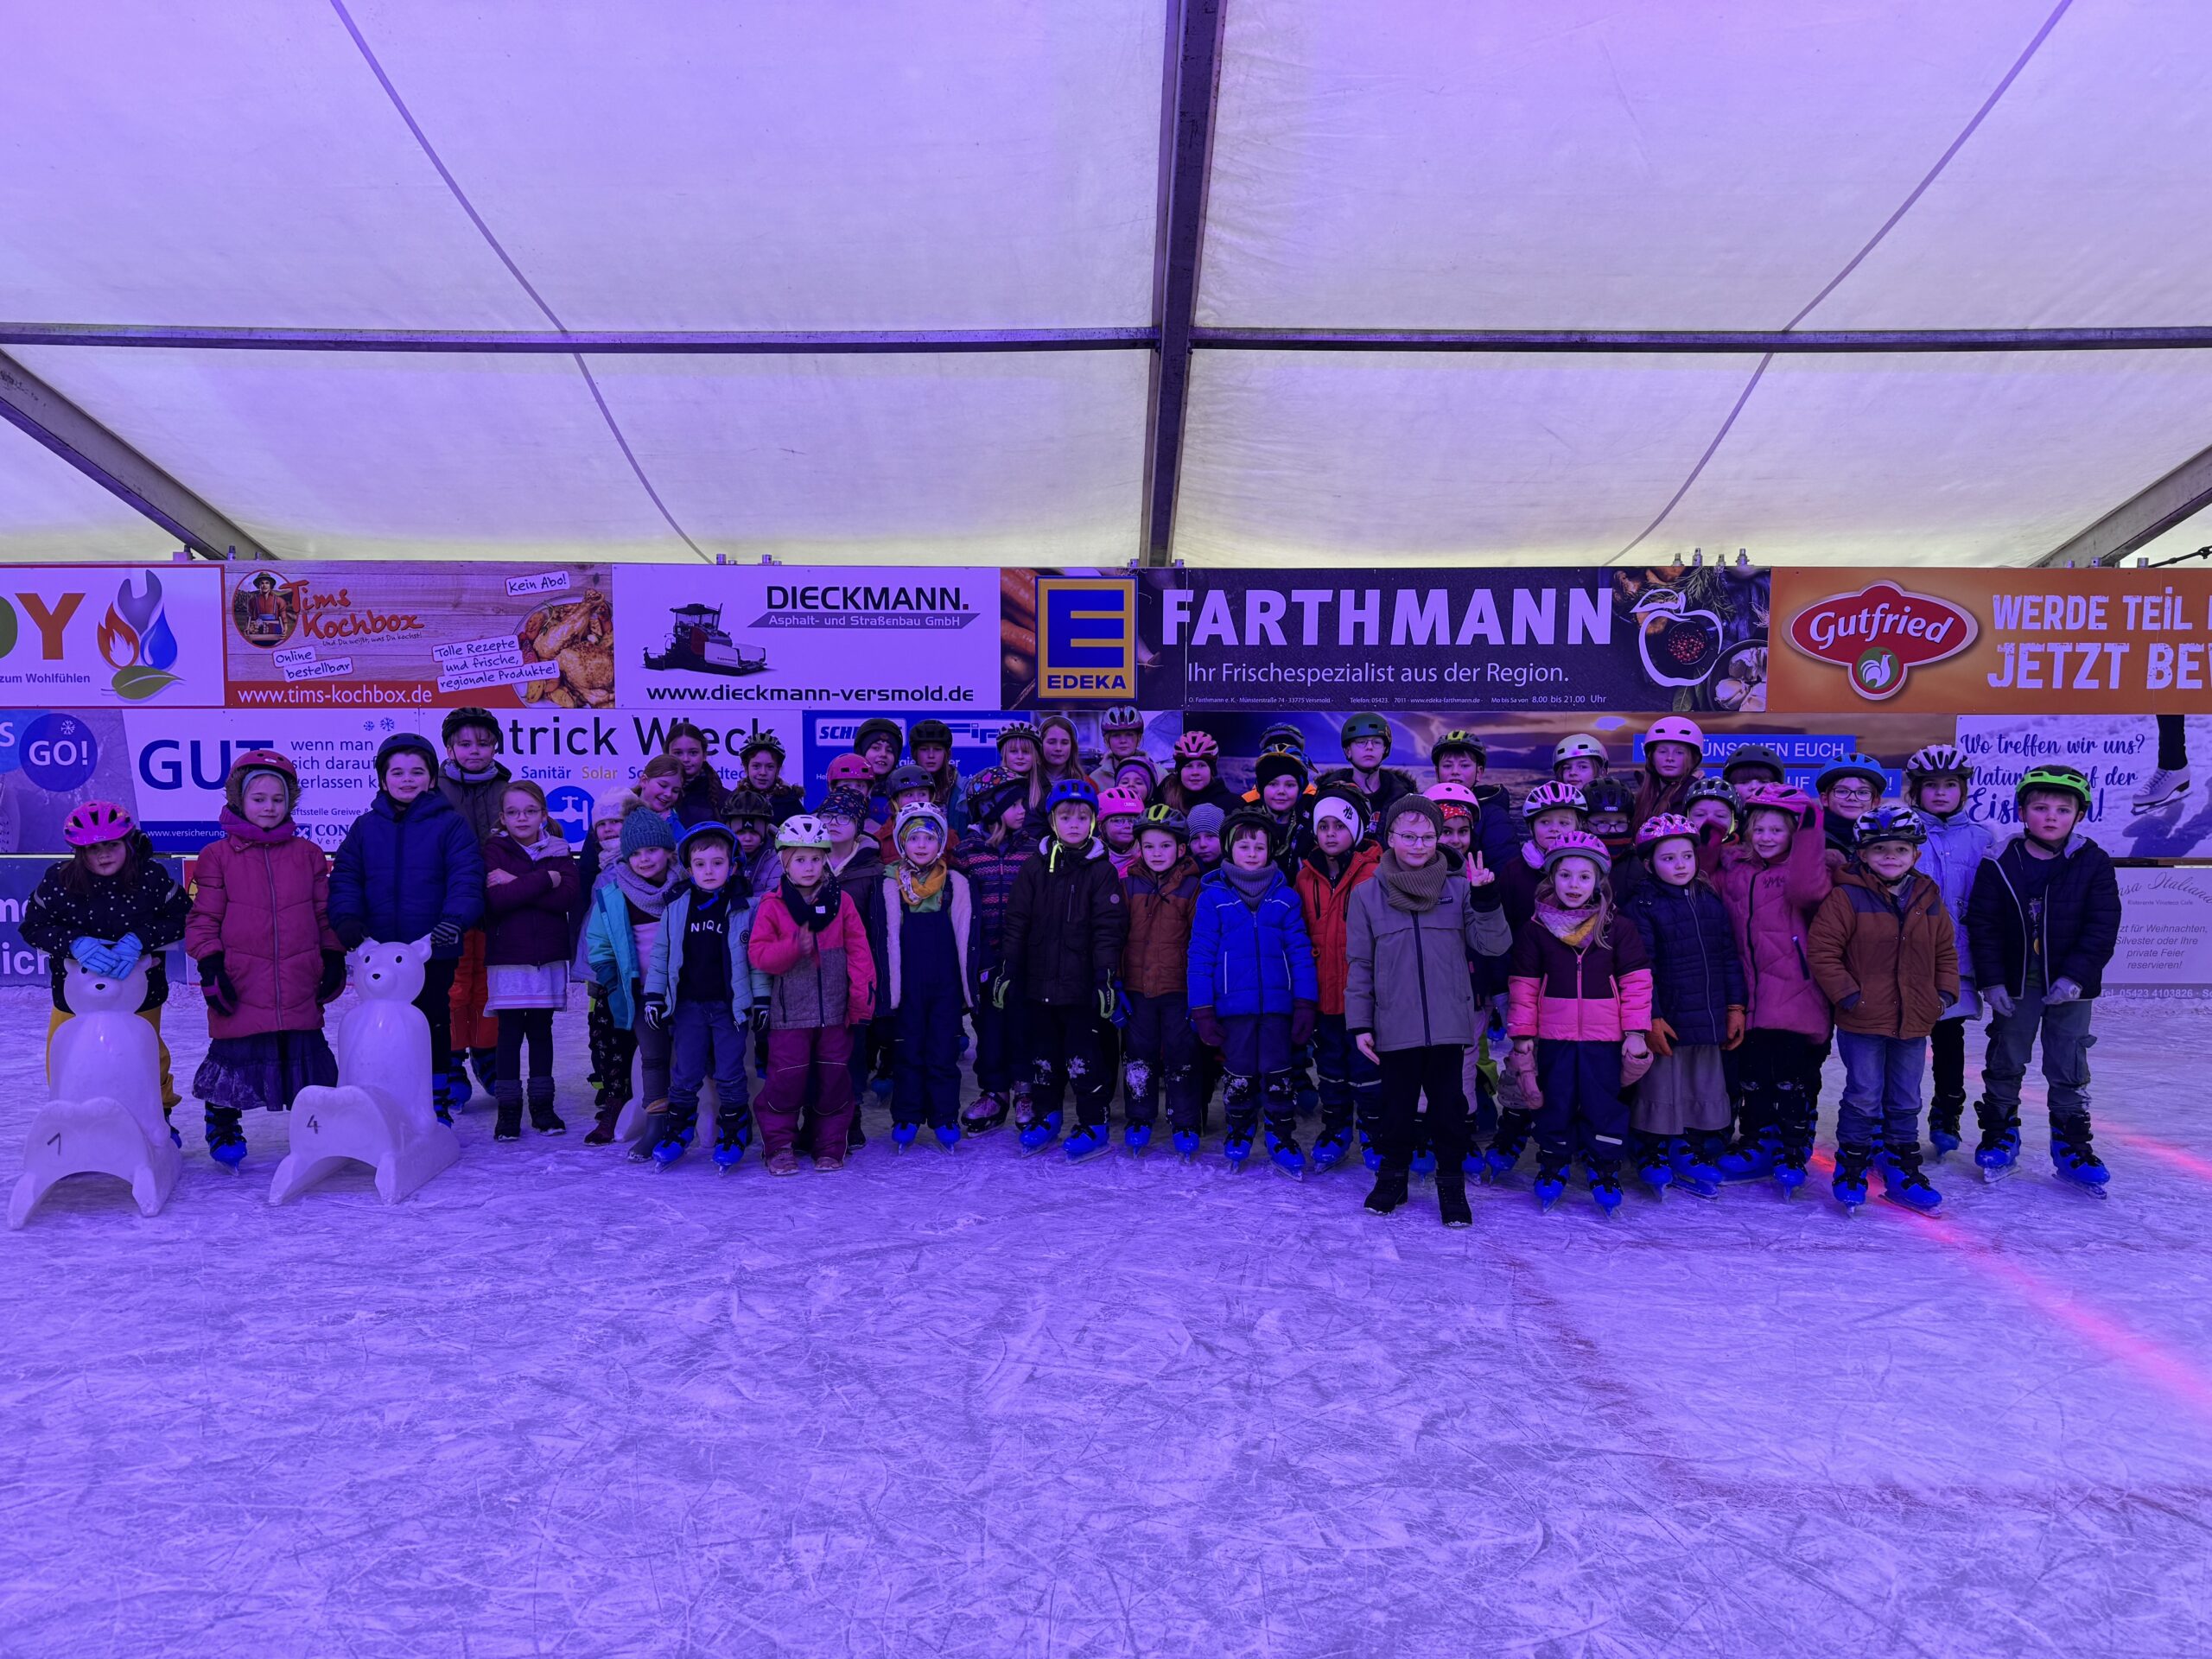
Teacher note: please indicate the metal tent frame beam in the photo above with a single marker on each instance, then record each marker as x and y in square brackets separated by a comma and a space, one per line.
[2141, 519]
[28, 403]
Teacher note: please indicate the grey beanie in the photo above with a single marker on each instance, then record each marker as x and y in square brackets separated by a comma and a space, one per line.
[1206, 819]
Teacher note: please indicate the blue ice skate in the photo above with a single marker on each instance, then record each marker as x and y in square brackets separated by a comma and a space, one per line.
[1849, 1185]
[1999, 1154]
[947, 1136]
[1505, 1151]
[903, 1135]
[1425, 1161]
[225, 1140]
[1333, 1146]
[1654, 1170]
[1237, 1146]
[730, 1145]
[1943, 1128]
[1136, 1137]
[1286, 1157]
[1751, 1160]
[2074, 1162]
[1087, 1142]
[1042, 1131]
[1692, 1173]
[1903, 1184]
[1605, 1192]
[668, 1150]
[1549, 1185]
[1186, 1145]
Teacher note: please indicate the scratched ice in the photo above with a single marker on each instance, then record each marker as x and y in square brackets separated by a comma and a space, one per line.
[982, 1406]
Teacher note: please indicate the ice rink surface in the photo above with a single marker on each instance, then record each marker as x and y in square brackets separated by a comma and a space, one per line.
[979, 1405]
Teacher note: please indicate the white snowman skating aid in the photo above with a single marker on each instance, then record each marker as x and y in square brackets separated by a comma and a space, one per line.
[379, 1113]
[105, 1116]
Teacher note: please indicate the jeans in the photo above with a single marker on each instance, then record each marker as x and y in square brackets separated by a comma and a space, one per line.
[1162, 1054]
[799, 1056]
[705, 1040]
[1063, 1041]
[1407, 1074]
[1881, 1089]
[1583, 1109]
[2066, 1043]
[1351, 1084]
[926, 1086]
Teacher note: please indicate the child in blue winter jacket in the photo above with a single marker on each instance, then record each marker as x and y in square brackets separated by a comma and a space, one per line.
[1936, 780]
[1254, 992]
[411, 865]
[702, 988]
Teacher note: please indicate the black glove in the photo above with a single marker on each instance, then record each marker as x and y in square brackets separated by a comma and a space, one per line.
[1208, 1027]
[215, 984]
[1105, 999]
[1303, 1016]
[1000, 991]
[333, 977]
[758, 1018]
[655, 1012]
[445, 935]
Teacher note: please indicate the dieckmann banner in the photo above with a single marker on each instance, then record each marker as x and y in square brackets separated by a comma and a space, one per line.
[1994, 642]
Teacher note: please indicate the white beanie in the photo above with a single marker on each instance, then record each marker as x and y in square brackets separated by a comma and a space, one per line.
[1335, 806]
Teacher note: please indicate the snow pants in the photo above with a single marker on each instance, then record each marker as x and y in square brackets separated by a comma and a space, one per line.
[800, 1059]
[1583, 1111]
[1064, 1047]
[1771, 1069]
[1162, 1056]
[926, 1083]
[1350, 1083]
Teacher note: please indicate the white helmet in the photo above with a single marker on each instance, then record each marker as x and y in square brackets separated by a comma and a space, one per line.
[800, 832]
[1580, 746]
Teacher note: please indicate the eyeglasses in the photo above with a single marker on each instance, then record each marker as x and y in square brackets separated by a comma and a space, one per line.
[1413, 837]
[1852, 791]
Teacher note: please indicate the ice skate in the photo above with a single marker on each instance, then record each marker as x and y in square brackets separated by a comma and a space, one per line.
[1087, 1142]
[947, 1136]
[1333, 1146]
[1943, 1126]
[1043, 1130]
[733, 1135]
[1550, 1183]
[1903, 1184]
[1605, 1192]
[1506, 1148]
[2075, 1164]
[1283, 1153]
[1695, 1172]
[1390, 1192]
[903, 1135]
[2162, 788]
[1999, 1154]
[1849, 1185]
[1654, 1170]
[225, 1140]
[1425, 1161]
[984, 1113]
[1237, 1145]
[1186, 1145]
[1788, 1175]
[1750, 1160]
[1136, 1137]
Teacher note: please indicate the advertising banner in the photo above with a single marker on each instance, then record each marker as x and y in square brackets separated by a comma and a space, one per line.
[1994, 641]
[2165, 932]
[435, 634]
[2142, 809]
[1511, 638]
[81, 636]
[22, 966]
[832, 637]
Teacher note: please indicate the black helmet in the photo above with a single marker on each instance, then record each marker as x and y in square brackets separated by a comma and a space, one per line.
[1753, 755]
[462, 719]
[929, 731]
[1608, 795]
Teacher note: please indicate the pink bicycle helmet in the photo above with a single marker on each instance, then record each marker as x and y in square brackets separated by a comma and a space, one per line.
[1578, 843]
[1664, 826]
[1121, 804]
[1549, 797]
[97, 822]
[1195, 746]
[1775, 797]
[1673, 728]
[849, 769]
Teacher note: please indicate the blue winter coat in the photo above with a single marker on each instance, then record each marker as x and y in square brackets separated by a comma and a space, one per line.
[1696, 975]
[1954, 850]
[1245, 961]
[399, 873]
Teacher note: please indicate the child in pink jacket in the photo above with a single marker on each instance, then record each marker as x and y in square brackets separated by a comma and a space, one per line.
[1773, 880]
[1579, 1010]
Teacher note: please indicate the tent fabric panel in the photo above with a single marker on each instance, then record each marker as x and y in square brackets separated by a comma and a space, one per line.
[51, 512]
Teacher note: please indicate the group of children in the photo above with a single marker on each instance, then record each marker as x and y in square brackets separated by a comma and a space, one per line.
[1647, 977]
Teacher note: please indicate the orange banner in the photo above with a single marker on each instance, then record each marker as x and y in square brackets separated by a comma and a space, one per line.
[1991, 641]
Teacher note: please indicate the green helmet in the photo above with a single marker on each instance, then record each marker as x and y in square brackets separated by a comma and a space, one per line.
[2052, 776]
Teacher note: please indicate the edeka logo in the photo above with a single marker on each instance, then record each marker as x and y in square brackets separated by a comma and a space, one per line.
[134, 639]
[1087, 638]
[1879, 633]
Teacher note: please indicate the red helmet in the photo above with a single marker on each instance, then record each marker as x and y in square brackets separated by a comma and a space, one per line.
[96, 822]
[849, 769]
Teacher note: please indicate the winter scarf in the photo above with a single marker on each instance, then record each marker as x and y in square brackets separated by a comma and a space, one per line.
[245, 829]
[1572, 928]
[1251, 886]
[815, 914]
[1416, 891]
[485, 776]
[922, 890]
[651, 897]
[550, 844]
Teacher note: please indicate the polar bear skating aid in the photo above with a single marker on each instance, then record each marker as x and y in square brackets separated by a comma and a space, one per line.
[379, 1113]
[105, 1116]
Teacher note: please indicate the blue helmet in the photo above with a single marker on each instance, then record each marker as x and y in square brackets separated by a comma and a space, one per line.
[1079, 791]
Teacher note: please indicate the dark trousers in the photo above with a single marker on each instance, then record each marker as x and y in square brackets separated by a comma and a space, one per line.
[1772, 1068]
[927, 1085]
[872, 1051]
[436, 1004]
[1064, 1046]
[1406, 1075]
[1947, 1047]
[613, 1049]
[1583, 1111]
[521, 1026]
[804, 1060]
[1162, 1055]
[1351, 1084]
[1000, 1057]
[705, 1040]
[1257, 1077]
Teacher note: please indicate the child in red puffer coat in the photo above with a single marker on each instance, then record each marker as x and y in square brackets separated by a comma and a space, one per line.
[260, 930]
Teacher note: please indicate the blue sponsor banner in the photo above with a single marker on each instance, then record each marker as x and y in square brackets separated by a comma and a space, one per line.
[21, 965]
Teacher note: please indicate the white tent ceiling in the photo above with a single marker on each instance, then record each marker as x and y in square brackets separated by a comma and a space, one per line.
[895, 165]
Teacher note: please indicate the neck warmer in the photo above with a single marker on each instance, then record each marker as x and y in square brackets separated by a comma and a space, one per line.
[1251, 885]
[549, 844]
[1572, 928]
[922, 889]
[652, 897]
[815, 911]
[450, 769]
[240, 828]
[1414, 890]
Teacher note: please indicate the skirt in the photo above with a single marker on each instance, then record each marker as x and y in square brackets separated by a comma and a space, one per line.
[267, 1071]
[1684, 1091]
[526, 985]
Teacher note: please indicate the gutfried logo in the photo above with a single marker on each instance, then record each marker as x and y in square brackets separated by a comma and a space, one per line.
[1879, 633]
